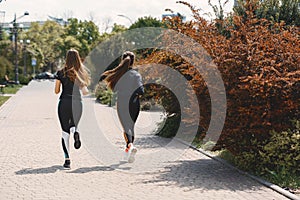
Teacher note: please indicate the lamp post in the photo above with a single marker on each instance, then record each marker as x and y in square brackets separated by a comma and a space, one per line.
[15, 28]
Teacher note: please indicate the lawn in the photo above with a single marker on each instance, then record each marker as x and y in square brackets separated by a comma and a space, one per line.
[11, 89]
[3, 99]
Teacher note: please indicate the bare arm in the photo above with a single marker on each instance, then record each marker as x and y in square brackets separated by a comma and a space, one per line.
[57, 86]
[85, 90]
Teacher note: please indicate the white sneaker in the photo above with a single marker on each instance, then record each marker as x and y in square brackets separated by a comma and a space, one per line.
[132, 151]
[125, 155]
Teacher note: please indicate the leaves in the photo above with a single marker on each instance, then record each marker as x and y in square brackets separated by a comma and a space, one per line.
[259, 63]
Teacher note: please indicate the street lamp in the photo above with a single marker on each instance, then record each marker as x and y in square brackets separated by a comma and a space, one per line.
[126, 18]
[15, 28]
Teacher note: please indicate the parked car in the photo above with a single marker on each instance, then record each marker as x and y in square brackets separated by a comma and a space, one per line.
[45, 75]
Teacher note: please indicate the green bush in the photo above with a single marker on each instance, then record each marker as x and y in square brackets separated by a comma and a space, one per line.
[11, 89]
[283, 178]
[170, 126]
[250, 160]
[24, 80]
[276, 159]
[104, 95]
[146, 106]
[283, 150]
[151, 104]
[160, 98]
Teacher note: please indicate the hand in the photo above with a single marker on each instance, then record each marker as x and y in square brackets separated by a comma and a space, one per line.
[85, 90]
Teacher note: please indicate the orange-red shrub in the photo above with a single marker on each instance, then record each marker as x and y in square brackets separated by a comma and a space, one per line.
[260, 66]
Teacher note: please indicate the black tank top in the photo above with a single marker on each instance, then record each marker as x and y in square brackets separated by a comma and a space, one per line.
[69, 89]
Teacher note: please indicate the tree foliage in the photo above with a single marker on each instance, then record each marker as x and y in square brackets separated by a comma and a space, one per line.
[147, 21]
[273, 10]
[45, 42]
[6, 68]
[106, 55]
[51, 41]
[83, 35]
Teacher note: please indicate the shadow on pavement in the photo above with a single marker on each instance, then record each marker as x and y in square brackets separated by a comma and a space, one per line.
[53, 169]
[203, 174]
[151, 141]
[45, 170]
[113, 167]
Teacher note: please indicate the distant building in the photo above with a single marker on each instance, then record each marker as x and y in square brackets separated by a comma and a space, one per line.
[26, 25]
[174, 15]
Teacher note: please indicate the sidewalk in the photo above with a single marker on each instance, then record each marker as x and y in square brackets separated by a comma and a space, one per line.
[31, 157]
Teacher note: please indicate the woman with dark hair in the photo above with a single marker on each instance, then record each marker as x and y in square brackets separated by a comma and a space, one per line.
[73, 78]
[127, 84]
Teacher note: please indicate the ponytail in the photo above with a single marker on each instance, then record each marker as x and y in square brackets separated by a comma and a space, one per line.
[114, 75]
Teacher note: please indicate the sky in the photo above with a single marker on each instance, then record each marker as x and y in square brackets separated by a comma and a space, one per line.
[102, 12]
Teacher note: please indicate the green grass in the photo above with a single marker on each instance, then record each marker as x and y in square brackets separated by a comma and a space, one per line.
[226, 155]
[3, 99]
[11, 89]
[281, 178]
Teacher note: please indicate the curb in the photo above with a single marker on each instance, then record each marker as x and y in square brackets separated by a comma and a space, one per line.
[272, 186]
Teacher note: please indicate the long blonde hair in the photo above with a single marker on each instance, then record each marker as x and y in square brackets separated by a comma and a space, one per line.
[75, 70]
[113, 76]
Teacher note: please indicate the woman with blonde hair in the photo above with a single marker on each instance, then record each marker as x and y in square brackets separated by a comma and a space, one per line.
[73, 78]
[127, 84]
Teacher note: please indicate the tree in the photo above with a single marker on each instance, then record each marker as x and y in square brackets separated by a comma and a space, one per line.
[6, 68]
[1, 33]
[147, 22]
[68, 42]
[106, 55]
[6, 49]
[274, 10]
[144, 34]
[117, 28]
[51, 41]
[85, 32]
[45, 43]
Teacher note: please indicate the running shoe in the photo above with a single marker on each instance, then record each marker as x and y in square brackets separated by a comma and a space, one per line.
[132, 151]
[77, 143]
[125, 155]
[67, 164]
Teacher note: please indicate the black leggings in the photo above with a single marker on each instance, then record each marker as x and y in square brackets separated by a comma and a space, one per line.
[128, 115]
[69, 113]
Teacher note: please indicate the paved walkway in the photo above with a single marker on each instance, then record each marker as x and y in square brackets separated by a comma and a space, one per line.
[31, 159]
